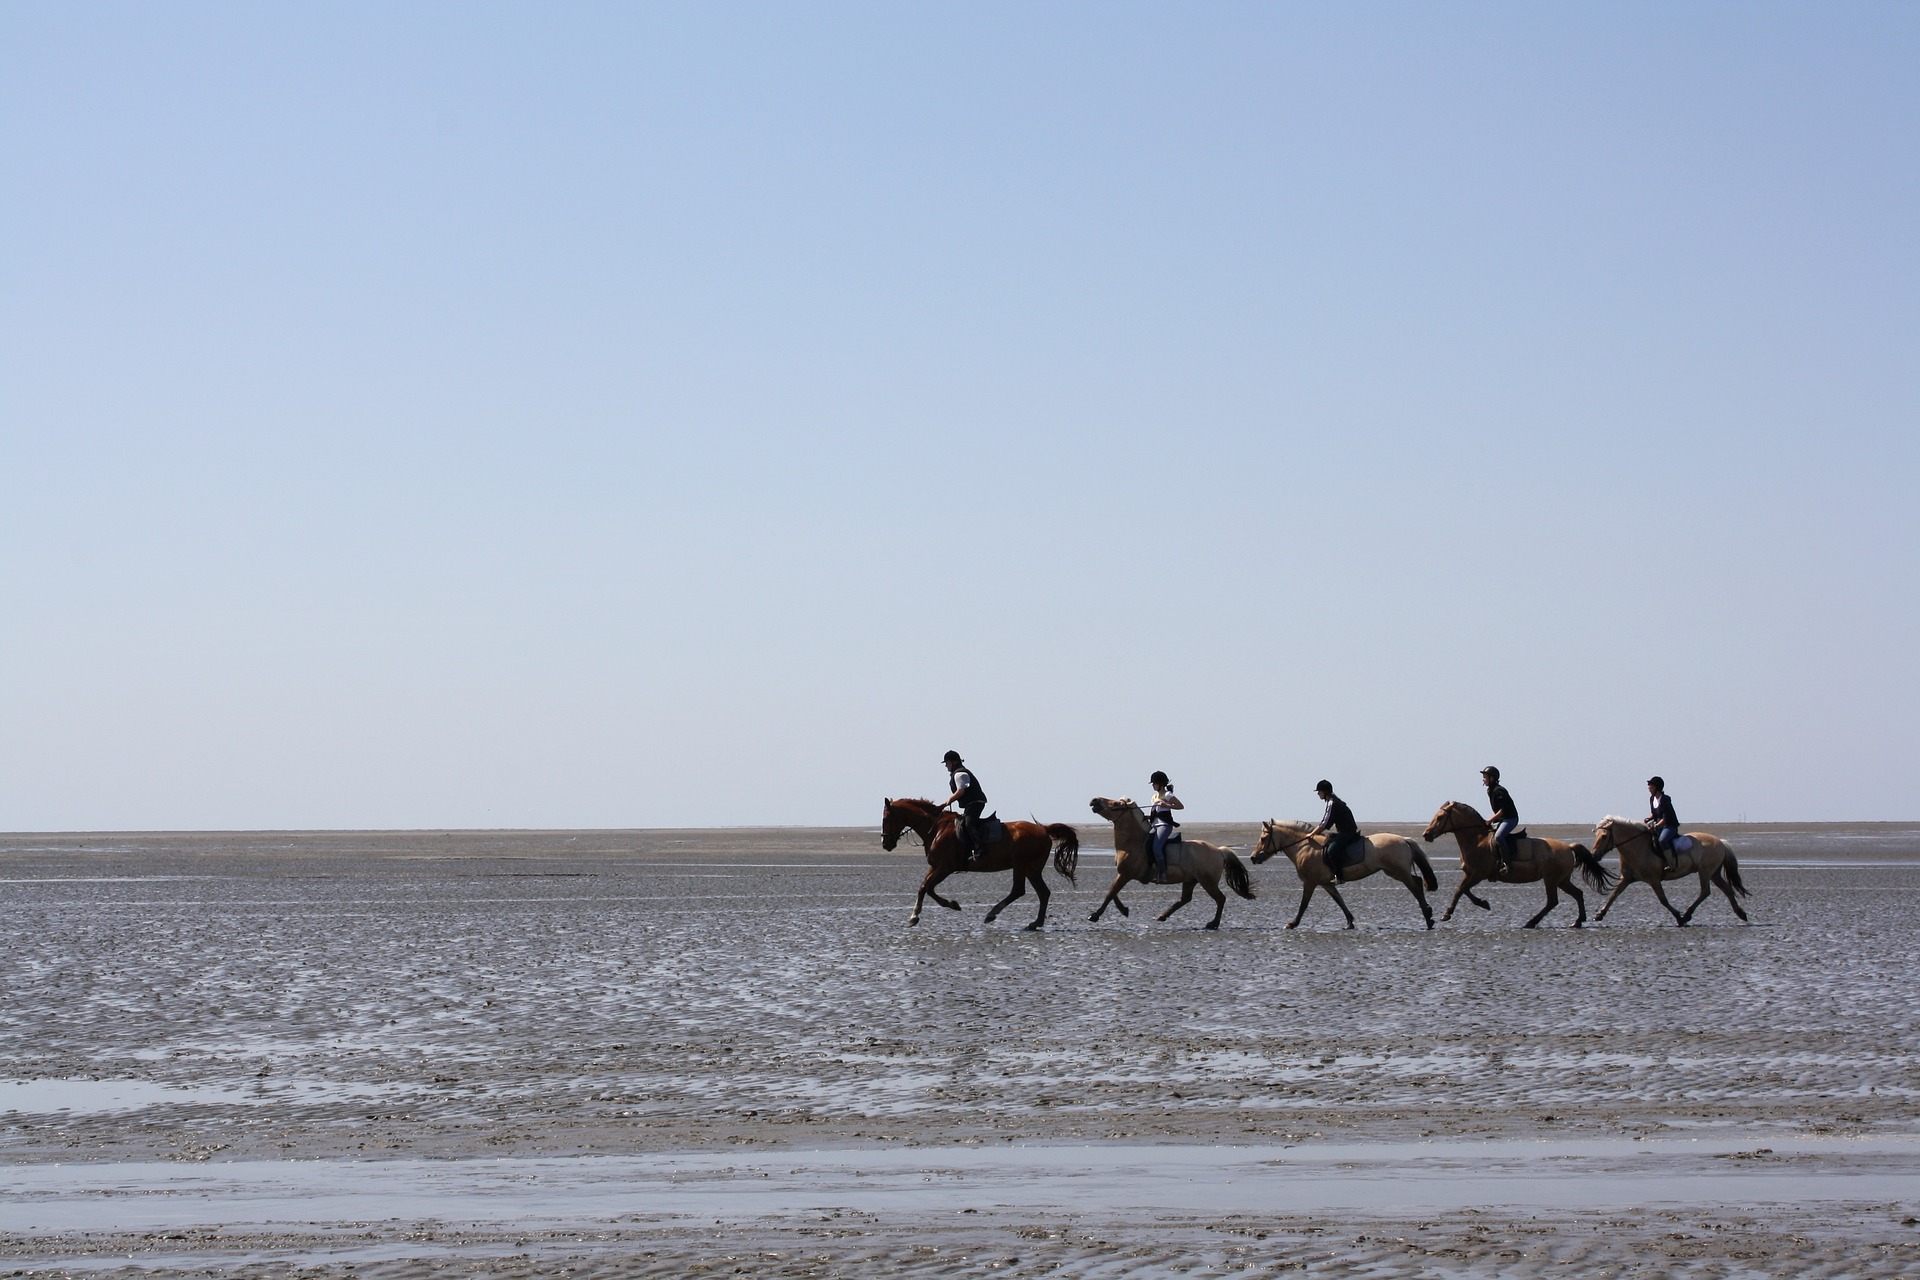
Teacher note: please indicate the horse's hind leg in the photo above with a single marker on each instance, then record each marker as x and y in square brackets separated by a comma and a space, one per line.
[1721, 880]
[1579, 900]
[1040, 888]
[1553, 900]
[1219, 900]
[1186, 896]
[1333, 891]
[1706, 891]
[1412, 882]
[1018, 890]
[1660, 891]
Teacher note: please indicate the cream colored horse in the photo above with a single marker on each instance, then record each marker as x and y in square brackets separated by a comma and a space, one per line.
[1188, 863]
[1710, 859]
[1550, 861]
[1398, 856]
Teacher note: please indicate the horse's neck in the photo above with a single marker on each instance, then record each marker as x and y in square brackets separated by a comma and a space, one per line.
[1472, 841]
[923, 817]
[1129, 833]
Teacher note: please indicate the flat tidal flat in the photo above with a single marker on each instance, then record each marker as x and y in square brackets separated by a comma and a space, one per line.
[662, 1053]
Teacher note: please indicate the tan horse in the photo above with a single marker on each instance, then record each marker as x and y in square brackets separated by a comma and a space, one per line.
[1188, 862]
[1549, 861]
[1710, 859]
[1024, 851]
[1398, 856]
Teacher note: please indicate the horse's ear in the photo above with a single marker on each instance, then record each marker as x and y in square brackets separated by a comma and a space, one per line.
[888, 801]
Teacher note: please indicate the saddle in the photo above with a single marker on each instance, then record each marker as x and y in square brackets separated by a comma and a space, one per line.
[992, 831]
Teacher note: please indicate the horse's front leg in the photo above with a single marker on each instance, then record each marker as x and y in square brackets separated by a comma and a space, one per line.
[1186, 896]
[1553, 900]
[1219, 901]
[1333, 891]
[1467, 881]
[1120, 879]
[1626, 878]
[1306, 895]
[1019, 889]
[927, 882]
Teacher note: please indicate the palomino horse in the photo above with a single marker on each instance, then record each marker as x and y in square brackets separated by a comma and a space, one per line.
[1710, 859]
[1201, 862]
[1024, 850]
[1398, 856]
[1550, 861]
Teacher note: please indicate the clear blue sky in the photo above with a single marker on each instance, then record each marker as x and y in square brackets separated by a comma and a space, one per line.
[569, 415]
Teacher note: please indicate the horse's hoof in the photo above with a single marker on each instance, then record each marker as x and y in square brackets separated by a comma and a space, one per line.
[1349, 924]
[952, 906]
[1094, 918]
[1533, 924]
[1429, 922]
[1578, 923]
[912, 920]
[1212, 924]
[1484, 906]
[1032, 928]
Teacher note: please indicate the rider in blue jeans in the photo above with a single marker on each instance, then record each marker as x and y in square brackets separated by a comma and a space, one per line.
[1504, 820]
[1662, 825]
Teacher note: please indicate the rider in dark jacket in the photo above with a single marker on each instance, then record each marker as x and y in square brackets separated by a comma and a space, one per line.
[1662, 825]
[1339, 825]
[972, 802]
[1505, 819]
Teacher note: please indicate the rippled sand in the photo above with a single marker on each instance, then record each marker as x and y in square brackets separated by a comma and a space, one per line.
[639, 1053]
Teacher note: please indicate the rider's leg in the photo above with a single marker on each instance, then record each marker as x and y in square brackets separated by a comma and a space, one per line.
[1663, 845]
[1502, 845]
[1159, 850]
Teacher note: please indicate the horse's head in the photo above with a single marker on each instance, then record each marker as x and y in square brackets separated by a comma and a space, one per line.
[1452, 816]
[897, 817]
[1280, 838]
[1114, 810]
[1612, 831]
[1268, 845]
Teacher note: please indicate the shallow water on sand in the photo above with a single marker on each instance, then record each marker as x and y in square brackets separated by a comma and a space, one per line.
[468, 996]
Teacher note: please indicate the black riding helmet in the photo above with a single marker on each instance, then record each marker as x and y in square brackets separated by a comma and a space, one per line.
[1159, 779]
[1491, 771]
[952, 757]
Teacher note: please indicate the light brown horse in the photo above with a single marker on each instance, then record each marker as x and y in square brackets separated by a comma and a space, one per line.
[1188, 862]
[1024, 849]
[1398, 856]
[1710, 859]
[1549, 861]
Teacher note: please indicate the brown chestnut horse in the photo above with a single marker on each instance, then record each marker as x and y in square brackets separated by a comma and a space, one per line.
[1024, 850]
[1551, 862]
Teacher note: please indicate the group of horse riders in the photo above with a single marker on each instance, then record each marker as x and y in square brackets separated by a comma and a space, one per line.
[1337, 824]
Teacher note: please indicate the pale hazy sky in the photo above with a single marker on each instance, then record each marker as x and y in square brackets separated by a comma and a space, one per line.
[575, 415]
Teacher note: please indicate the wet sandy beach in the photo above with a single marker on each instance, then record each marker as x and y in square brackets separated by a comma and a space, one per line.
[646, 1052]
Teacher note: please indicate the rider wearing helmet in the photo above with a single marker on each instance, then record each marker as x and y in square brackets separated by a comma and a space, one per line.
[972, 802]
[1505, 819]
[1160, 815]
[1662, 825]
[1338, 824]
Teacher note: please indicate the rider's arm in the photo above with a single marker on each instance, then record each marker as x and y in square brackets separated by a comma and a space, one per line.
[1171, 800]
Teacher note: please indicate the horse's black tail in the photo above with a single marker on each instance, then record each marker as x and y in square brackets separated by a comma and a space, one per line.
[1066, 848]
[1426, 868]
[1732, 868]
[1236, 870]
[1595, 871]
